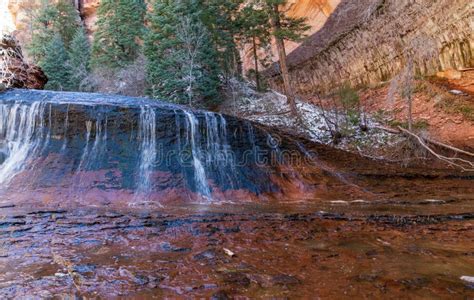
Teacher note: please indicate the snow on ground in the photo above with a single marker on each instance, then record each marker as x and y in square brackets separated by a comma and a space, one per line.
[271, 109]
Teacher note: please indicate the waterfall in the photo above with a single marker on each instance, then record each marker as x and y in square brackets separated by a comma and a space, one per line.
[85, 153]
[218, 151]
[86, 147]
[21, 131]
[148, 151]
[199, 172]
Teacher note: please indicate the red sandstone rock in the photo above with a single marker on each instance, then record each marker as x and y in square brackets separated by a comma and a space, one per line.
[14, 71]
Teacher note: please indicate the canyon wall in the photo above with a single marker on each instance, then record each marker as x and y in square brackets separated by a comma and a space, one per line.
[22, 12]
[316, 12]
[366, 42]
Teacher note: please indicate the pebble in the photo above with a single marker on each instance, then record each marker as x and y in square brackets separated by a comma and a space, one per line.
[339, 202]
[456, 92]
[359, 201]
[433, 201]
[237, 279]
[228, 252]
[468, 279]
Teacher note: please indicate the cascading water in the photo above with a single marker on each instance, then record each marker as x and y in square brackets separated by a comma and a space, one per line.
[89, 146]
[21, 133]
[147, 135]
[199, 172]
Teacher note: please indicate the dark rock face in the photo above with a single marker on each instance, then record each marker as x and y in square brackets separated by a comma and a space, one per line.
[104, 149]
[14, 71]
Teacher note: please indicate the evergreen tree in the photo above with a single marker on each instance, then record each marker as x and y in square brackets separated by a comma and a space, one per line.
[221, 17]
[284, 28]
[120, 25]
[182, 65]
[56, 65]
[79, 58]
[58, 18]
[256, 31]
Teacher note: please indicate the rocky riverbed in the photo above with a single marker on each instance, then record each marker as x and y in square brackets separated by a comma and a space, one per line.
[236, 252]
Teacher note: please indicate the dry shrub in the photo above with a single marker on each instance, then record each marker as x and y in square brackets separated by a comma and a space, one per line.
[129, 81]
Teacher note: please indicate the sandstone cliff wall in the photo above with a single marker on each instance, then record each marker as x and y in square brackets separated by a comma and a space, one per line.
[368, 41]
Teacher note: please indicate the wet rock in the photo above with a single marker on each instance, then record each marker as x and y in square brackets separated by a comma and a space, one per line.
[141, 279]
[371, 253]
[285, 280]
[207, 254]
[220, 295]
[153, 281]
[170, 248]
[7, 206]
[235, 229]
[367, 277]
[415, 283]
[87, 269]
[237, 279]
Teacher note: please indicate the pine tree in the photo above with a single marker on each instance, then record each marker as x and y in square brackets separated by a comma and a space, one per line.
[285, 28]
[282, 28]
[57, 18]
[120, 26]
[79, 58]
[256, 31]
[221, 17]
[56, 65]
[182, 65]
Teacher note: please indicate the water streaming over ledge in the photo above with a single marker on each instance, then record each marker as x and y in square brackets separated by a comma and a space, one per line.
[79, 146]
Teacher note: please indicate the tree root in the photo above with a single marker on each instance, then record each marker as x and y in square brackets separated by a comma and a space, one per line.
[457, 162]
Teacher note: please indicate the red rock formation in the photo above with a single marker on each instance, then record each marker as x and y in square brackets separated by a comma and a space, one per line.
[14, 71]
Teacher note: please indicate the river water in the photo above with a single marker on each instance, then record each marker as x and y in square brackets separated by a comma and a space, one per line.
[106, 196]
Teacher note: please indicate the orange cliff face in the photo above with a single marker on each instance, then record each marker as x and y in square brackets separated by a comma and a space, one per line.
[88, 9]
[316, 13]
[22, 12]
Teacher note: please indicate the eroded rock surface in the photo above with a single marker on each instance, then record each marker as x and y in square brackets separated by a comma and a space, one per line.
[14, 71]
[367, 42]
[278, 255]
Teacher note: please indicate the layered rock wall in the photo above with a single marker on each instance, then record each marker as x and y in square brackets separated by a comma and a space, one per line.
[369, 41]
